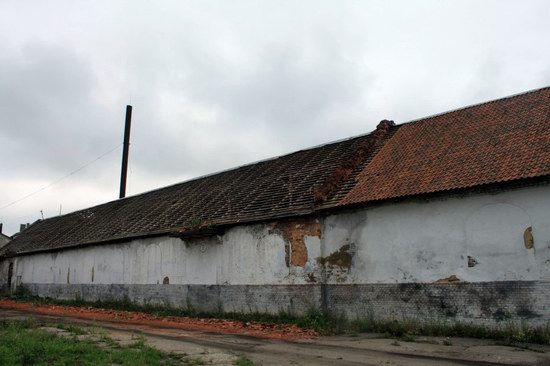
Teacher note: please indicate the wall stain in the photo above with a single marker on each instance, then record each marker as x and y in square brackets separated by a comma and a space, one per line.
[166, 281]
[471, 262]
[93, 273]
[294, 233]
[450, 279]
[528, 238]
[341, 258]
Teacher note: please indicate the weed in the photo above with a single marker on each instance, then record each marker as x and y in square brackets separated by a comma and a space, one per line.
[71, 329]
[408, 337]
[195, 223]
[243, 361]
[22, 292]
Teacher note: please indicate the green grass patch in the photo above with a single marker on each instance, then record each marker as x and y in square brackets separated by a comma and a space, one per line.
[24, 343]
[243, 361]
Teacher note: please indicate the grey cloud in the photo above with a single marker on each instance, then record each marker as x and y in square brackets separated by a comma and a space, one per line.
[218, 84]
[48, 115]
[289, 95]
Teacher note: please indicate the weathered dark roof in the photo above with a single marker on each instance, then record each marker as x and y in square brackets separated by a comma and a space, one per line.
[498, 141]
[268, 189]
[4, 240]
[494, 142]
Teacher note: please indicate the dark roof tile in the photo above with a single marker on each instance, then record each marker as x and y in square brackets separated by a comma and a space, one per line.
[268, 189]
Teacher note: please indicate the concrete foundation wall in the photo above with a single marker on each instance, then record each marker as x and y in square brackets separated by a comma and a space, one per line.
[483, 258]
[482, 303]
[296, 299]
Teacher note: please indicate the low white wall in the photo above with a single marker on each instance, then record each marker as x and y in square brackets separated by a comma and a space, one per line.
[415, 241]
[248, 255]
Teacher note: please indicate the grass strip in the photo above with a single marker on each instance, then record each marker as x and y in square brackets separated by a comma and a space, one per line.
[24, 343]
[326, 323]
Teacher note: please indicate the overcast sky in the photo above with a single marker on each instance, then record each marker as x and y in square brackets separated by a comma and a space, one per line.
[217, 84]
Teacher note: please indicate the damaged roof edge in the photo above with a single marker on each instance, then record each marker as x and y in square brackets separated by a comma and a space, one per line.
[206, 231]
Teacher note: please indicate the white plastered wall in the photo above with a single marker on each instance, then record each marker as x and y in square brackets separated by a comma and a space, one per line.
[427, 241]
[252, 254]
[415, 241]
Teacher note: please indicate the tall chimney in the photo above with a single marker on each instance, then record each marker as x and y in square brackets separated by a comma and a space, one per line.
[125, 150]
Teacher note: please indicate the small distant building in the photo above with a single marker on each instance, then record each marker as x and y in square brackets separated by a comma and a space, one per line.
[446, 218]
[4, 239]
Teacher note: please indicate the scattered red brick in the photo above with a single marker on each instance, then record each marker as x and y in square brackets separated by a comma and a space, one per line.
[254, 329]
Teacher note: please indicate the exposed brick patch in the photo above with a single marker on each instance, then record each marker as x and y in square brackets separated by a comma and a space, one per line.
[528, 239]
[294, 233]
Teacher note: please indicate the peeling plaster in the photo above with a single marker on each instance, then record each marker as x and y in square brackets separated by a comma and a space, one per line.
[528, 238]
[294, 233]
[450, 279]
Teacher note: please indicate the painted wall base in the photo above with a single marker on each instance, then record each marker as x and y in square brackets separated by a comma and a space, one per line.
[295, 299]
[481, 303]
[484, 303]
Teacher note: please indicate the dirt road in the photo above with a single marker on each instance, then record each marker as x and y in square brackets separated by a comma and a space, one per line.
[365, 349]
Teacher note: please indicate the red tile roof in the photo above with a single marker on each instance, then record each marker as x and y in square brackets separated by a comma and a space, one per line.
[497, 141]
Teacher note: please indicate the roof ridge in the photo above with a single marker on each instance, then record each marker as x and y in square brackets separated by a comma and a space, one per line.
[511, 96]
